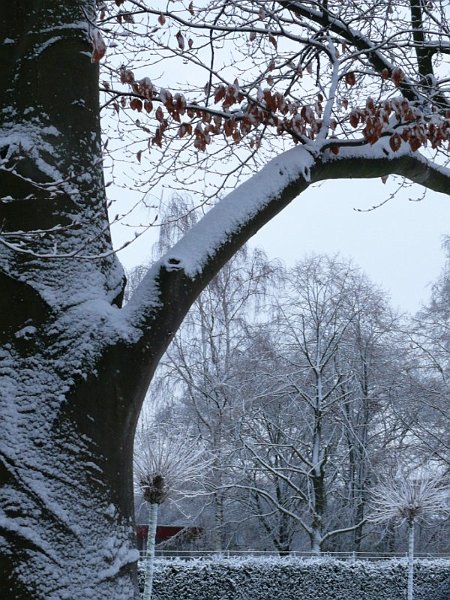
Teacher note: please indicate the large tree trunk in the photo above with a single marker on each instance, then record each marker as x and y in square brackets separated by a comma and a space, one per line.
[66, 521]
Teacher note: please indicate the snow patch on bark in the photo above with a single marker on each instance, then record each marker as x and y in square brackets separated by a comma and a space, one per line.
[49, 500]
[29, 141]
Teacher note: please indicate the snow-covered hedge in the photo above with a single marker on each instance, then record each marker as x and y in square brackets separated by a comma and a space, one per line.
[297, 579]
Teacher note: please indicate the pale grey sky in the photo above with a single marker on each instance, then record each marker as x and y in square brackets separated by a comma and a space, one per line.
[398, 245]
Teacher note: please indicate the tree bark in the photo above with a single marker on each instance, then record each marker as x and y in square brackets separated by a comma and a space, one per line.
[411, 560]
[66, 525]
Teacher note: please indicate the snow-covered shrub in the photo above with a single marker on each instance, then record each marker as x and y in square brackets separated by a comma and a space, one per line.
[297, 579]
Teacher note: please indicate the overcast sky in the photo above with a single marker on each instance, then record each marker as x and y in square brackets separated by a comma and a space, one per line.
[398, 245]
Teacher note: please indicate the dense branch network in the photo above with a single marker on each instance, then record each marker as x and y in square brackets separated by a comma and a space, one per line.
[266, 74]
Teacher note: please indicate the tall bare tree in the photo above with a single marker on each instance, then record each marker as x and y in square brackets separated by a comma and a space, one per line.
[204, 359]
[294, 427]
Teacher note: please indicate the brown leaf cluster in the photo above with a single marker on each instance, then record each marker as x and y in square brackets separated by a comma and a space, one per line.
[235, 116]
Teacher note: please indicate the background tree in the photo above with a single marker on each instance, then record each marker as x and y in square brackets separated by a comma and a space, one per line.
[373, 357]
[75, 364]
[200, 372]
[166, 464]
[293, 430]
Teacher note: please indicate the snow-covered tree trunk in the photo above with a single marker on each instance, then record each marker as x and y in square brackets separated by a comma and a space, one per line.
[150, 554]
[411, 559]
[316, 540]
[317, 476]
[74, 369]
